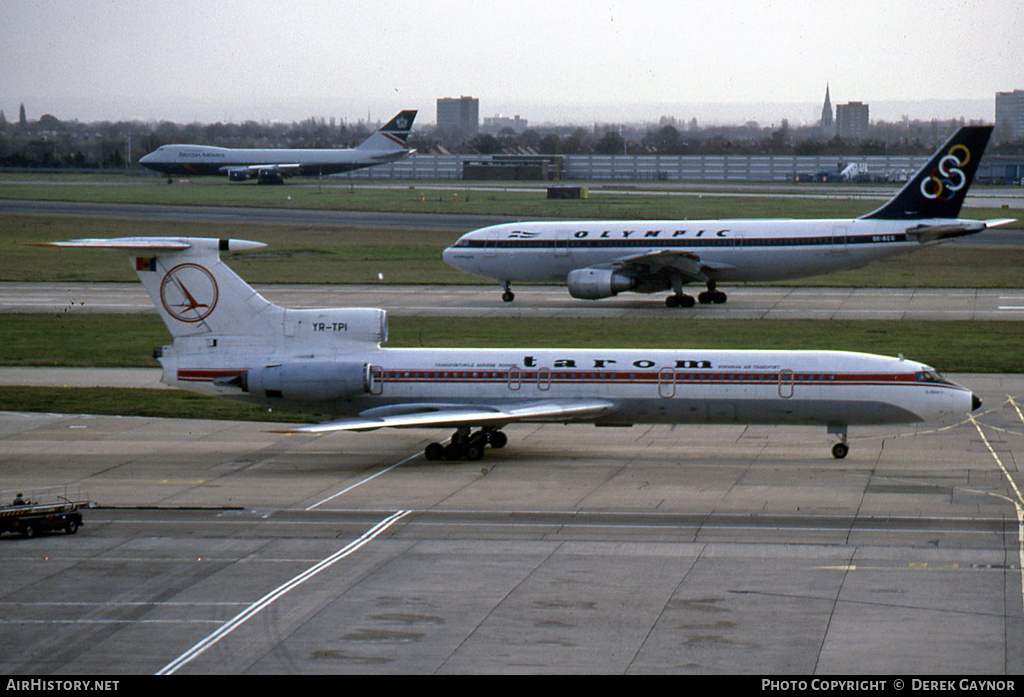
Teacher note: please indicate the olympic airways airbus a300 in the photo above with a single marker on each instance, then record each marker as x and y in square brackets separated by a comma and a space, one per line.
[229, 341]
[599, 259]
[269, 165]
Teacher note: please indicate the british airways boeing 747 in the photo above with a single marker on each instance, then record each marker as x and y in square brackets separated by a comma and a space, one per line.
[269, 165]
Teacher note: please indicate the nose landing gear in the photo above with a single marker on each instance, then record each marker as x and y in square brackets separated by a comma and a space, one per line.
[842, 448]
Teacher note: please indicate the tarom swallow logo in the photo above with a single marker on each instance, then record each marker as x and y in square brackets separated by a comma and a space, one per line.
[189, 293]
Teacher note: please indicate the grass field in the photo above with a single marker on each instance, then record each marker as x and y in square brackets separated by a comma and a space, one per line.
[117, 340]
[606, 200]
[315, 254]
[422, 197]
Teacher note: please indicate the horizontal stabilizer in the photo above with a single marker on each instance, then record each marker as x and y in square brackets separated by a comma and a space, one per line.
[435, 415]
[155, 244]
[931, 233]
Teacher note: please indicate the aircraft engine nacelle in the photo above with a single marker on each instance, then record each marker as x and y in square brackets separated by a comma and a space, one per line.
[591, 284]
[312, 381]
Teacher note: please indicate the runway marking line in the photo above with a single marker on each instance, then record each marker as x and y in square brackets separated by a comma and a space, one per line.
[361, 482]
[1018, 501]
[268, 599]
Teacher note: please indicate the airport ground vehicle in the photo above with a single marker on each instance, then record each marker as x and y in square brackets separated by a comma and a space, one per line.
[42, 510]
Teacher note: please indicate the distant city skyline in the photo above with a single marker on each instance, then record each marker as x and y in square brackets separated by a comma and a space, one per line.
[573, 62]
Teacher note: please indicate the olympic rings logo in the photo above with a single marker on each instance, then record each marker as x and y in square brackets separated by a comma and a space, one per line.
[947, 178]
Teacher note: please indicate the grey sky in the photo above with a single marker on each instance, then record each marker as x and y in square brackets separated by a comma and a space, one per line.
[561, 60]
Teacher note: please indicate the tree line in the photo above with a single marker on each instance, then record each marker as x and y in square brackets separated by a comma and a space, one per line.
[52, 143]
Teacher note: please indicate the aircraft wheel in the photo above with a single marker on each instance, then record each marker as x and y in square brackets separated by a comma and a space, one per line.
[474, 451]
[680, 301]
[706, 298]
[497, 439]
[434, 451]
[453, 452]
[718, 297]
[508, 296]
[840, 450]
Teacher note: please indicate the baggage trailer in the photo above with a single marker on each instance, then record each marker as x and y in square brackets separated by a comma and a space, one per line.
[29, 512]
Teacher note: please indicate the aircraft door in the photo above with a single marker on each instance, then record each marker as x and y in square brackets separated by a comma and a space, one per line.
[840, 239]
[515, 378]
[375, 380]
[786, 384]
[543, 378]
[667, 383]
[491, 244]
[562, 244]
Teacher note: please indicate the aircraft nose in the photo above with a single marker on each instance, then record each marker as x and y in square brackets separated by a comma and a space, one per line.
[449, 257]
[975, 402]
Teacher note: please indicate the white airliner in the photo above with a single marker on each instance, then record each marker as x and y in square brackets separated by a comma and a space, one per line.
[229, 341]
[599, 259]
[269, 165]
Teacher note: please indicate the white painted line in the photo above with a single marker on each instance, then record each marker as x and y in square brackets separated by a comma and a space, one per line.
[364, 481]
[264, 602]
[1017, 501]
[103, 621]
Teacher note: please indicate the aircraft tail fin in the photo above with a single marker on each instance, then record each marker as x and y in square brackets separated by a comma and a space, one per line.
[198, 296]
[193, 290]
[393, 134]
[938, 189]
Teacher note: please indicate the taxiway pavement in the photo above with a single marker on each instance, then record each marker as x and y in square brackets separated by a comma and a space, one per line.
[745, 302]
[224, 548]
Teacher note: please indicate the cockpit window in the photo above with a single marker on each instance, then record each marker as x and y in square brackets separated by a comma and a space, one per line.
[928, 376]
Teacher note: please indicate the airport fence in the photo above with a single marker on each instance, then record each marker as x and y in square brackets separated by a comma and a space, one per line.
[667, 168]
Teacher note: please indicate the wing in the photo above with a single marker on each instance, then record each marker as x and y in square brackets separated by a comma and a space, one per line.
[242, 172]
[689, 265]
[426, 415]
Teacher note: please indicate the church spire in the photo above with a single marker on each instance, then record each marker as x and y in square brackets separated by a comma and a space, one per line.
[826, 110]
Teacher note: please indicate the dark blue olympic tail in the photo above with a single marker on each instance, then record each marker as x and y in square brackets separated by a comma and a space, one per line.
[939, 188]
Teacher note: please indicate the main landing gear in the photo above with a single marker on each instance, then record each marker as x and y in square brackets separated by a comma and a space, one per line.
[680, 299]
[464, 445]
[711, 295]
